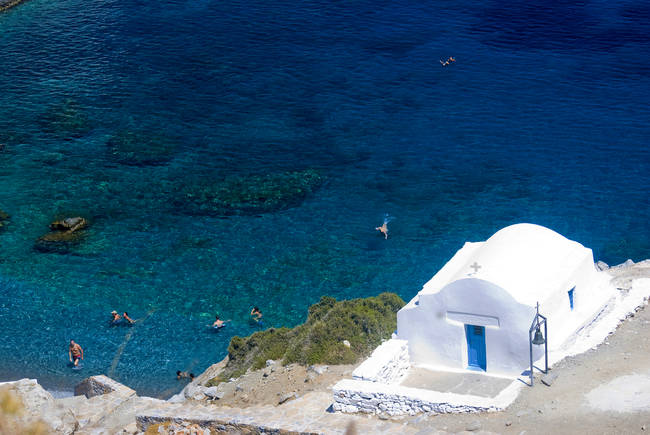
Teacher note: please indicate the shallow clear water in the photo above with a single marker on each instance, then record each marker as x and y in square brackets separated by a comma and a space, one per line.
[543, 119]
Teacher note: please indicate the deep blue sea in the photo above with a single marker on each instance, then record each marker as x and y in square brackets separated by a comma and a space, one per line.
[543, 118]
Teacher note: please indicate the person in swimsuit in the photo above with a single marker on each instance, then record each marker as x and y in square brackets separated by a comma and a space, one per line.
[182, 375]
[75, 352]
[384, 227]
[448, 61]
[127, 318]
[256, 314]
[115, 318]
[218, 323]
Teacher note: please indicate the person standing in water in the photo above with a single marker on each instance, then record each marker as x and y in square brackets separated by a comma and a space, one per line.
[75, 352]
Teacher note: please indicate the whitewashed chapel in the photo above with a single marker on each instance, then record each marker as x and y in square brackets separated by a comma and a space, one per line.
[475, 313]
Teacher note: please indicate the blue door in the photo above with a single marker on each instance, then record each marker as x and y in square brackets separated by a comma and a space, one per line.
[475, 347]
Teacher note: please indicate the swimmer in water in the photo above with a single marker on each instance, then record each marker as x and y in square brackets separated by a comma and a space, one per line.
[448, 61]
[127, 318]
[256, 314]
[115, 318]
[184, 375]
[384, 228]
[218, 323]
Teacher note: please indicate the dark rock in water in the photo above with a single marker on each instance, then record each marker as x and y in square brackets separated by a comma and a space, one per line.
[3, 217]
[65, 120]
[69, 224]
[248, 195]
[138, 148]
[6, 4]
[64, 236]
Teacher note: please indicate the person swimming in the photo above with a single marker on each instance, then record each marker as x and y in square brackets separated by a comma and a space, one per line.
[218, 323]
[126, 317]
[116, 318]
[384, 228]
[256, 314]
[184, 375]
[449, 60]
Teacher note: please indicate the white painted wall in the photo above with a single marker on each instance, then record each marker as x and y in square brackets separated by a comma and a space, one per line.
[435, 329]
[388, 363]
[520, 265]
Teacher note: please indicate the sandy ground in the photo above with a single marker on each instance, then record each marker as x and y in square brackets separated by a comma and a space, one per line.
[603, 391]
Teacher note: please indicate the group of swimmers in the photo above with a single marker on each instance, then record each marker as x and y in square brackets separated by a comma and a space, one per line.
[76, 352]
[256, 315]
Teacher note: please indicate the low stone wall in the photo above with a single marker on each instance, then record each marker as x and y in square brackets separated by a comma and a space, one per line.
[388, 363]
[212, 425]
[375, 398]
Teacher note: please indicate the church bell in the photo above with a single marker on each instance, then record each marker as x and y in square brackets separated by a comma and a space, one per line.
[539, 338]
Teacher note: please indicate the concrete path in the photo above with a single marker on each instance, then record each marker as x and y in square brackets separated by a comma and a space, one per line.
[460, 383]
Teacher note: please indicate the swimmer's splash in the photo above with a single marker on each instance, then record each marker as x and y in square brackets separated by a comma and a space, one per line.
[384, 228]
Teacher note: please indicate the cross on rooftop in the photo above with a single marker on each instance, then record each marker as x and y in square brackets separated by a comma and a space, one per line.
[476, 267]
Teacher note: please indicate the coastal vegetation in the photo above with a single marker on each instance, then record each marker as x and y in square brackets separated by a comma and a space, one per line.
[3, 218]
[336, 332]
[248, 194]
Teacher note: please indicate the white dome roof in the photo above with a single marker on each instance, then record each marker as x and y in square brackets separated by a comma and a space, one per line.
[529, 261]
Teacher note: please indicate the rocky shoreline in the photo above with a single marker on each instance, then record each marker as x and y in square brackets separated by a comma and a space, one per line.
[585, 396]
[8, 4]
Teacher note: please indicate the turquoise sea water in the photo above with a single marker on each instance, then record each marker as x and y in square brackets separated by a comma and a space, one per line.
[543, 118]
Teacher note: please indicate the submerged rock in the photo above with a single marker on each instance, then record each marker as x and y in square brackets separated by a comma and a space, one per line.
[248, 195]
[66, 120]
[3, 217]
[7, 4]
[65, 234]
[69, 224]
[140, 148]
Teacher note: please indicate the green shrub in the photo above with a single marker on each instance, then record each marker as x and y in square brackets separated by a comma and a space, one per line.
[365, 323]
